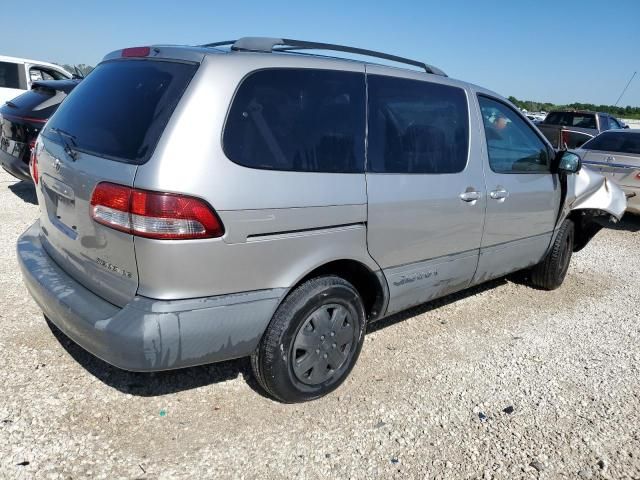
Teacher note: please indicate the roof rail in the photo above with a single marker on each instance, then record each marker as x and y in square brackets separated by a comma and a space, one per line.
[267, 45]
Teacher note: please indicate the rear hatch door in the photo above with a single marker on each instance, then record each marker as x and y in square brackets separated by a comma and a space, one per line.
[106, 127]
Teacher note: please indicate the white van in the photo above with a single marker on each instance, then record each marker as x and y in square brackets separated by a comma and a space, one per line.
[16, 75]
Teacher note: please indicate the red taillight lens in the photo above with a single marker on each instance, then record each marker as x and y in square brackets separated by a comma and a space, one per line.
[136, 52]
[564, 138]
[157, 215]
[33, 164]
[110, 206]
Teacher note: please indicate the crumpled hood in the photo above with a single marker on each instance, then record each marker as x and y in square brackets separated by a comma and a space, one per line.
[590, 190]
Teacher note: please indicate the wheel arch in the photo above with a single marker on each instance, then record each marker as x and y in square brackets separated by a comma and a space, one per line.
[371, 285]
[587, 223]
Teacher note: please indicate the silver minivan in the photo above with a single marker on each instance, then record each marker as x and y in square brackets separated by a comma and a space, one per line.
[200, 204]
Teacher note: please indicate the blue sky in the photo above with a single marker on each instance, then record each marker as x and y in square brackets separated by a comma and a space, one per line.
[539, 50]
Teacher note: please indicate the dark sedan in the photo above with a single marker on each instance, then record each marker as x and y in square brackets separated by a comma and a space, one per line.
[22, 118]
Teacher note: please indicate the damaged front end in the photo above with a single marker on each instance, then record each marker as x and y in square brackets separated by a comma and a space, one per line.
[591, 202]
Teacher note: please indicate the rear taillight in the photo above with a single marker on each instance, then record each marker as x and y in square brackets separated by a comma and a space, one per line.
[564, 138]
[165, 216]
[33, 164]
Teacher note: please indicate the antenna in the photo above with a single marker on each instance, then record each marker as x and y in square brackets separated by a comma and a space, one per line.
[625, 88]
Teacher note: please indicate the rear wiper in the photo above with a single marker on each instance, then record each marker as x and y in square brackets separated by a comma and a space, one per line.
[10, 104]
[71, 153]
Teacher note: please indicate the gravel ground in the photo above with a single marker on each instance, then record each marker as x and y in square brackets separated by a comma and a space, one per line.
[500, 382]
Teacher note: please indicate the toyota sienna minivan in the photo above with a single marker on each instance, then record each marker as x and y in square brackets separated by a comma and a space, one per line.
[255, 198]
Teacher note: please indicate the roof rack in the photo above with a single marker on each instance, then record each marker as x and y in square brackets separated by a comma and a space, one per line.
[268, 45]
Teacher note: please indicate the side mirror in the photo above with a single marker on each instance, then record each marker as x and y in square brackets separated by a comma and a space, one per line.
[569, 162]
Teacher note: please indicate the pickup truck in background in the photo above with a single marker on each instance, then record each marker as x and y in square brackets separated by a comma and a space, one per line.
[571, 128]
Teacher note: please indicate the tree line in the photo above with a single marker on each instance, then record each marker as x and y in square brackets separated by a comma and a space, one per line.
[621, 112]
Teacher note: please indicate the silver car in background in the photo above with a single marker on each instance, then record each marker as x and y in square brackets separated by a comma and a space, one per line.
[206, 203]
[616, 155]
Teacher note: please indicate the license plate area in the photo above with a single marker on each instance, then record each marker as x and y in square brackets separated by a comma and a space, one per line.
[13, 148]
[61, 205]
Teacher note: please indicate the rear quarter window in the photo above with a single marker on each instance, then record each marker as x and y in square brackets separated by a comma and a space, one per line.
[9, 75]
[416, 127]
[303, 120]
[122, 108]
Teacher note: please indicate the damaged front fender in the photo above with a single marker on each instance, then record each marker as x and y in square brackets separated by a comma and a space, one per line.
[589, 190]
[591, 201]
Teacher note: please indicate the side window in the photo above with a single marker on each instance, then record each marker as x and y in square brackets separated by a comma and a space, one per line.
[9, 75]
[416, 126]
[35, 74]
[604, 122]
[51, 74]
[302, 120]
[613, 123]
[512, 144]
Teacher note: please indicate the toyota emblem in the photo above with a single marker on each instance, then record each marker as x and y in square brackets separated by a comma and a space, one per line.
[56, 165]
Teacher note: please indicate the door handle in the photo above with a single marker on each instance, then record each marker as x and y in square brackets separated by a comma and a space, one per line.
[499, 194]
[470, 196]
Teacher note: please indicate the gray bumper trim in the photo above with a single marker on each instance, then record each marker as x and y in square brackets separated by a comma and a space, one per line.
[147, 334]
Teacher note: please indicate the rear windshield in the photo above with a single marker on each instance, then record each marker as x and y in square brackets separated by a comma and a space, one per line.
[571, 119]
[40, 102]
[9, 75]
[120, 110]
[619, 142]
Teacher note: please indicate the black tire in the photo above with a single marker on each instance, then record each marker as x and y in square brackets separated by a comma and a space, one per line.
[549, 274]
[317, 305]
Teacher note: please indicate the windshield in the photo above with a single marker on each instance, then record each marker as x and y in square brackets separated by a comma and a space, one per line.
[120, 110]
[619, 142]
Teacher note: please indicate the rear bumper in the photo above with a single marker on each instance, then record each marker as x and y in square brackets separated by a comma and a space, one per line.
[146, 334]
[15, 166]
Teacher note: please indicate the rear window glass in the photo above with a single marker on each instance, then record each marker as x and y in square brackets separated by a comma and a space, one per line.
[40, 102]
[416, 127]
[121, 109]
[618, 142]
[9, 75]
[298, 120]
[572, 119]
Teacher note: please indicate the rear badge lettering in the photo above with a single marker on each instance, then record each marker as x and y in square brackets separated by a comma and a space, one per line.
[113, 268]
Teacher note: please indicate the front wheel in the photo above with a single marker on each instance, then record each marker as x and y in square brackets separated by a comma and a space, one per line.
[312, 342]
[550, 272]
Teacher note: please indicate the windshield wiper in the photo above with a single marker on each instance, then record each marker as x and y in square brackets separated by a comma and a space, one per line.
[71, 153]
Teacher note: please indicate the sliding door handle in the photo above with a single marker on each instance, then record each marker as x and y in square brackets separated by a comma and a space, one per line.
[499, 194]
[470, 196]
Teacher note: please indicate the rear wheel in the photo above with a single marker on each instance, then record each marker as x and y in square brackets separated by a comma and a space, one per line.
[312, 342]
[549, 274]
